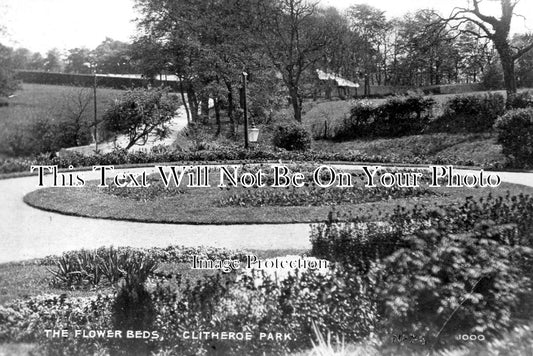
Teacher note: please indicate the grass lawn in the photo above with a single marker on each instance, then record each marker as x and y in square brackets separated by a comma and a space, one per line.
[238, 205]
[38, 102]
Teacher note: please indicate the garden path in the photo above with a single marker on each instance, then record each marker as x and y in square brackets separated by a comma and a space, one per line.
[178, 123]
[28, 233]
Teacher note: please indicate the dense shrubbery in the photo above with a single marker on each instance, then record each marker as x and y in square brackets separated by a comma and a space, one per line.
[520, 100]
[475, 257]
[398, 116]
[336, 301]
[515, 134]
[410, 115]
[470, 113]
[292, 137]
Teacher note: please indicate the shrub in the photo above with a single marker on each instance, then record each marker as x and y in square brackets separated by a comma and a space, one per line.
[141, 112]
[470, 263]
[515, 134]
[80, 268]
[133, 308]
[398, 116]
[471, 113]
[292, 137]
[336, 301]
[404, 116]
[520, 101]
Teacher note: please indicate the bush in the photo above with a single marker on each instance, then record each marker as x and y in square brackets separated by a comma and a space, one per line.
[470, 113]
[520, 101]
[336, 301]
[141, 112]
[133, 308]
[398, 116]
[515, 134]
[470, 263]
[292, 137]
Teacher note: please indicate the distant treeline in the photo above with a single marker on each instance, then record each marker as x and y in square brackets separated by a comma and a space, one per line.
[87, 80]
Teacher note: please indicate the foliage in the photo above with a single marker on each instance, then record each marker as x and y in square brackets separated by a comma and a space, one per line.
[475, 258]
[141, 112]
[170, 254]
[83, 267]
[45, 118]
[515, 134]
[133, 308]
[470, 113]
[26, 321]
[8, 84]
[243, 304]
[492, 78]
[292, 137]
[398, 116]
[520, 100]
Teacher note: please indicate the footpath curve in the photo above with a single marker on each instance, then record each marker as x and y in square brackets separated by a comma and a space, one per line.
[28, 233]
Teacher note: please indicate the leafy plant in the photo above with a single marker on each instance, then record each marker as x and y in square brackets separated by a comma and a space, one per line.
[141, 112]
[471, 113]
[292, 137]
[515, 134]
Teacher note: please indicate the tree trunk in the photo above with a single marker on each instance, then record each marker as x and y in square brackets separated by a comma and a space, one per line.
[296, 102]
[231, 108]
[184, 101]
[204, 108]
[193, 103]
[217, 116]
[508, 65]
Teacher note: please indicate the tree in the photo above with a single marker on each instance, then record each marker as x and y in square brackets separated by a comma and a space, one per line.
[294, 34]
[524, 64]
[77, 59]
[207, 44]
[52, 62]
[141, 112]
[36, 62]
[21, 58]
[369, 27]
[8, 84]
[499, 34]
[75, 118]
[113, 57]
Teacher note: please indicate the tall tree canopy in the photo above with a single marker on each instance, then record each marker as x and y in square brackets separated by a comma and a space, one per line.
[497, 30]
[8, 84]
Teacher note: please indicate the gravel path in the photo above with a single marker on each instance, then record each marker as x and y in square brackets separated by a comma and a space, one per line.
[30, 233]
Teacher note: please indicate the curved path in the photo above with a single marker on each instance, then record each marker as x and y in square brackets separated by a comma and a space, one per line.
[28, 233]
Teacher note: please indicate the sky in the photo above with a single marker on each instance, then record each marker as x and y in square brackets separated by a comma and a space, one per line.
[40, 25]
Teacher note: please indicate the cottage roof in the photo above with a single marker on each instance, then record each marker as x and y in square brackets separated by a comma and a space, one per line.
[339, 80]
